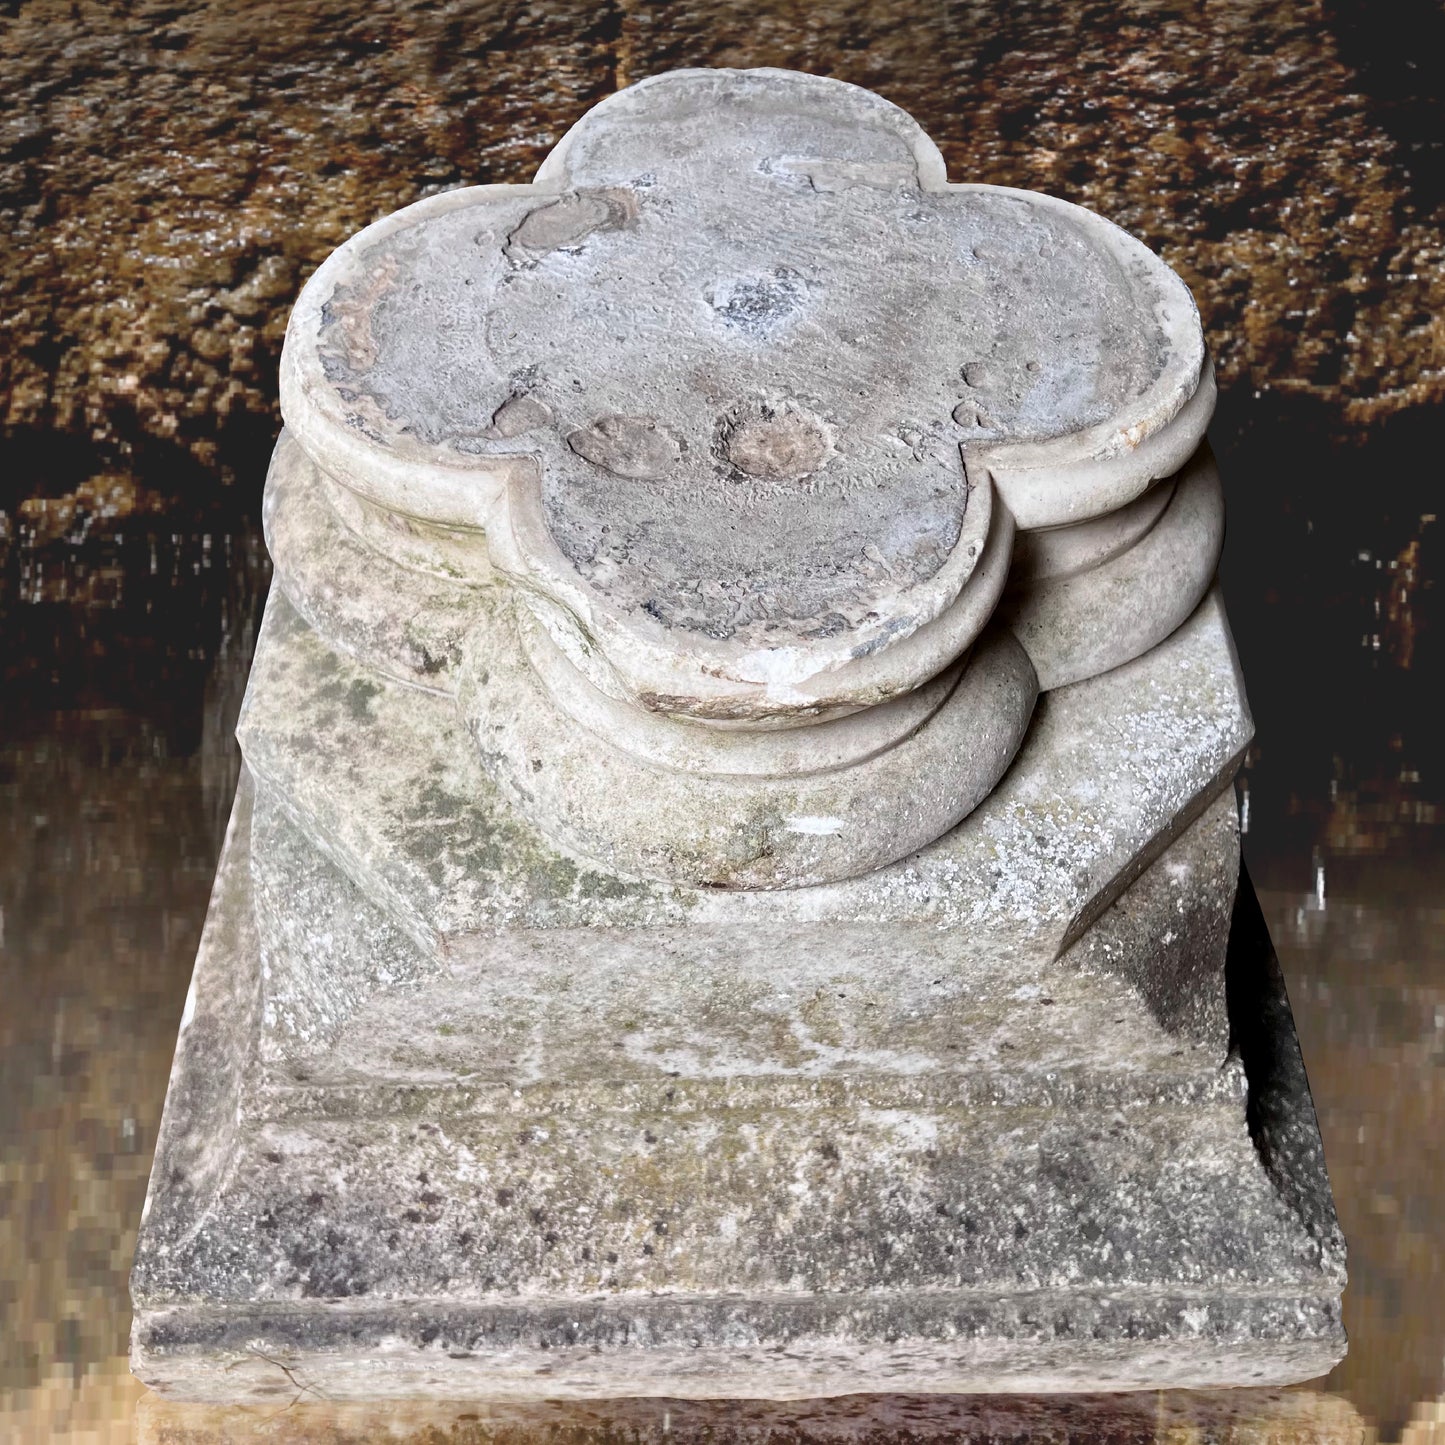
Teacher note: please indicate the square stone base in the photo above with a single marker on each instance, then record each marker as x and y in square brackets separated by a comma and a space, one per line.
[1107, 1176]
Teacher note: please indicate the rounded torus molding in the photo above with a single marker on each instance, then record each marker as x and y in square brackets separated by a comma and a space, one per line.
[408, 618]
[1054, 553]
[1090, 602]
[661, 797]
[746, 399]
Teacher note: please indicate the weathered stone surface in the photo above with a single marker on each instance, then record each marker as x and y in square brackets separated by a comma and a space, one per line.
[351, 1001]
[727, 419]
[608, 1138]
[746, 1010]
[387, 537]
[455, 1112]
[1083, 617]
[386, 778]
[405, 622]
[773, 367]
[667, 1166]
[785, 809]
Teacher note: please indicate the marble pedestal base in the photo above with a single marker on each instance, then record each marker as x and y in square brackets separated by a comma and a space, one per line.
[453, 1115]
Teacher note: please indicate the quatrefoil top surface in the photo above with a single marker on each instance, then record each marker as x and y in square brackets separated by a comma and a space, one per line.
[734, 375]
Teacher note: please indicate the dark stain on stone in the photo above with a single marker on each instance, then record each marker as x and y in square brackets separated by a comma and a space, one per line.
[755, 306]
[359, 697]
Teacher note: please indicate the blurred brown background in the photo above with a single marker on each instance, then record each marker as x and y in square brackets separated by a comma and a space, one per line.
[170, 174]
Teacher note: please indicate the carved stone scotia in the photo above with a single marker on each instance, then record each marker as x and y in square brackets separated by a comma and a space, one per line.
[733, 889]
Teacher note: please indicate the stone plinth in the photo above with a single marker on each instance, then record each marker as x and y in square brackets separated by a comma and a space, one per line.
[732, 887]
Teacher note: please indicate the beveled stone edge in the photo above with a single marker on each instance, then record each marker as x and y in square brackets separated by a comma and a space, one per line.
[280, 1093]
[1196, 807]
[723, 1347]
[196, 1141]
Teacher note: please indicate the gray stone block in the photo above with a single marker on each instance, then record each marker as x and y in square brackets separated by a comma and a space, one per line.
[675, 936]
[633, 1141]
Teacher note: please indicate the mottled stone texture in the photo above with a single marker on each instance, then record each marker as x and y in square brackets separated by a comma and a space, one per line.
[728, 421]
[514, 1068]
[455, 1114]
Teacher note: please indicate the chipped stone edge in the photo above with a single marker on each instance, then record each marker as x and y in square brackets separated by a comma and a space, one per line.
[1066, 479]
[460, 492]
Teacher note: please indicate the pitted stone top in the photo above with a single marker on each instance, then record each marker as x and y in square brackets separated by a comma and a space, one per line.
[730, 385]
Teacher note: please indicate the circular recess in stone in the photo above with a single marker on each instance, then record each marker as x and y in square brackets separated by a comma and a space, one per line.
[733, 382]
[774, 439]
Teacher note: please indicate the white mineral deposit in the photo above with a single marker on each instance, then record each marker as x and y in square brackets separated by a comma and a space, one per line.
[732, 884]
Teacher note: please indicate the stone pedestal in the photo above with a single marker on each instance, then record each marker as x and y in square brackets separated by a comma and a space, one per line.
[732, 885]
